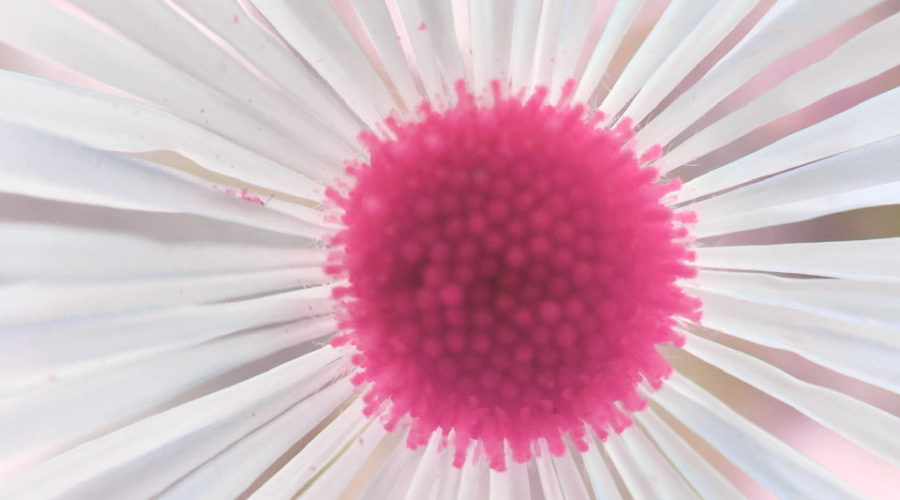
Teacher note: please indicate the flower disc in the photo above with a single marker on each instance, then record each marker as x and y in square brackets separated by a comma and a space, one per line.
[510, 270]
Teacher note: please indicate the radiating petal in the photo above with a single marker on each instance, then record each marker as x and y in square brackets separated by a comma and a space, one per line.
[712, 29]
[864, 177]
[40, 165]
[599, 475]
[143, 459]
[838, 259]
[676, 23]
[870, 427]
[620, 20]
[860, 125]
[863, 302]
[703, 477]
[780, 468]
[511, 484]
[832, 343]
[868, 54]
[778, 33]
[117, 124]
[646, 473]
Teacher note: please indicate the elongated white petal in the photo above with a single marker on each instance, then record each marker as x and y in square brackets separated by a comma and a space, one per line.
[334, 479]
[100, 55]
[547, 476]
[395, 474]
[863, 177]
[190, 51]
[778, 33]
[860, 125]
[570, 482]
[510, 485]
[272, 62]
[432, 35]
[569, 45]
[704, 478]
[868, 54]
[376, 20]
[620, 20]
[491, 33]
[598, 473]
[67, 349]
[866, 425]
[117, 124]
[434, 460]
[143, 459]
[248, 458]
[679, 19]
[712, 29]
[474, 480]
[163, 381]
[40, 165]
[319, 453]
[833, 258]
[830, 342]
[863, 302]
[525, 24]
[49, 302]
[316, 32]
[646, 473]
[781, 469]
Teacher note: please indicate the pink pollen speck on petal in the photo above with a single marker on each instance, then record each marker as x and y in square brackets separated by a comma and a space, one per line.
[512, 282]
[422, 27]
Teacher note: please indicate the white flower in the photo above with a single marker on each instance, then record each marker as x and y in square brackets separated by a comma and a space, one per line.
[164, 329]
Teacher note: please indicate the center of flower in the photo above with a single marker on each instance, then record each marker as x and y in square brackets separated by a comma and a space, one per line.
[510, 270]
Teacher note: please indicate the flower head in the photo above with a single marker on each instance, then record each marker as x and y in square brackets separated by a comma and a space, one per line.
[447, 249]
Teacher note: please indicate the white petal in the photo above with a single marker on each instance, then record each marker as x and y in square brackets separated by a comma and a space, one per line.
[872, 428]
[865, 352]
[128, 67]
[703, 477]
[113, 123]
[395, 474]
[136, 390]
[570, 482]
[39, 165]
[275, 64]
[337, 475]
[190, 51]
[598, 473]
[781, 469]
[432, 35]
[863, 177]
[511, 484]
[679, 20]
[547, 476]
[525, 24]
[433, 464]
[573, 28]
[620, 20]
[112, 245]
[474, 480]
[866, 260]
[32, 352]
[645, 472]
[143, 459]
[491, 32]
[860, 125]
[778, 33]
[376, 19]
[49, 302]
[712, 29]
[865, 56]
[326, 446]
[863, 302]
[246, 459]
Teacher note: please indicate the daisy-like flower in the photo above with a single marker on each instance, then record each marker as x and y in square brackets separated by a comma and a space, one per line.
[439, 249]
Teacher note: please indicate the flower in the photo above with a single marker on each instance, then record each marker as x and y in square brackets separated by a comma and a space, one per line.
[168, 318]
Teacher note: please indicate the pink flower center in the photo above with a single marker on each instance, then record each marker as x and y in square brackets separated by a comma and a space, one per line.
[510, 271]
